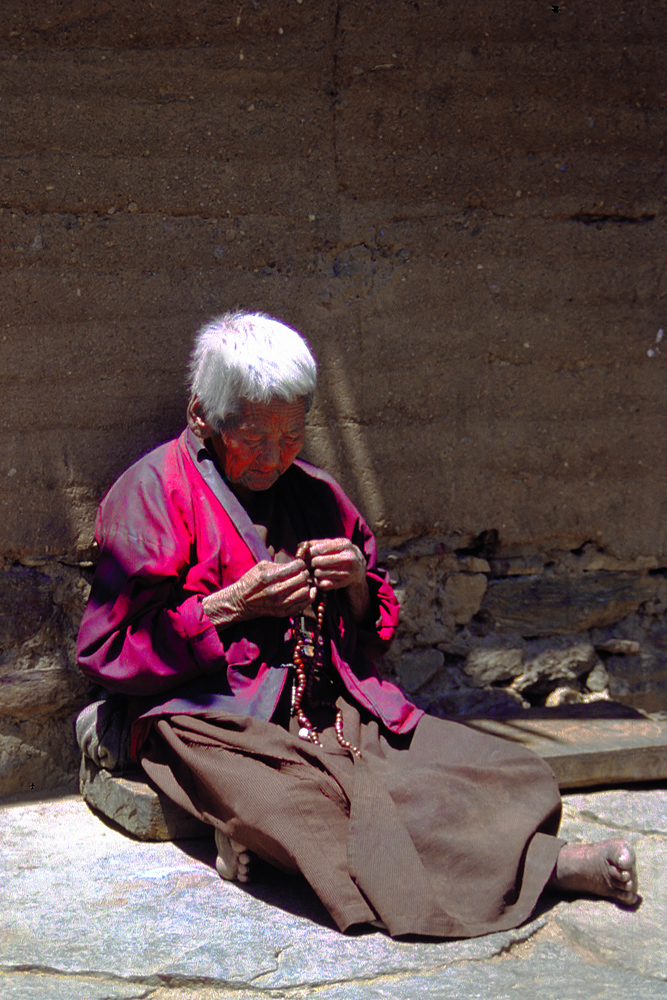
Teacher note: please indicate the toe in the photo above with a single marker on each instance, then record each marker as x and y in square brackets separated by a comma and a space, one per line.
[623, 856]
[226, 869]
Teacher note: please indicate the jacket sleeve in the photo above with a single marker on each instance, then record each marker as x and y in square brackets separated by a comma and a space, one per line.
[376, 630]
[142, 632]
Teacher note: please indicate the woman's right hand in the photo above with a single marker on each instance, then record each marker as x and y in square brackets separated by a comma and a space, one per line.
[276, 590]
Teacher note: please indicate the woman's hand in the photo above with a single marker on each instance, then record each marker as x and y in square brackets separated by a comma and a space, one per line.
[276, 590]
[335, 563]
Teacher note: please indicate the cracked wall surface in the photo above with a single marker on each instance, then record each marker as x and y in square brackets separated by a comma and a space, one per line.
[464, 211]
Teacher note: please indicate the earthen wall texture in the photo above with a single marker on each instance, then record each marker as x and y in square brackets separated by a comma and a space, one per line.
[462, 206]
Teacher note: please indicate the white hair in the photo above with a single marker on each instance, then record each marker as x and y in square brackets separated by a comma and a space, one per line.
[241, 356]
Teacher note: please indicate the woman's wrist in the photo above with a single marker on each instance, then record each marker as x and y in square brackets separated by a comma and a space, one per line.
[359, 598]
[222, 608]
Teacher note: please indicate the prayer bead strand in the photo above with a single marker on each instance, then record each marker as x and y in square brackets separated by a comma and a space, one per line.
[307, 673]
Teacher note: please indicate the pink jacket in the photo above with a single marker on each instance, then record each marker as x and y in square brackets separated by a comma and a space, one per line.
[170, 532]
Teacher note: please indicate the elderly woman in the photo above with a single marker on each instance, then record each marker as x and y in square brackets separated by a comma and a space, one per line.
[238, 604]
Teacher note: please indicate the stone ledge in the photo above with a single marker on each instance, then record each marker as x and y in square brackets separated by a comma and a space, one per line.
[588, 752]
[134, 804]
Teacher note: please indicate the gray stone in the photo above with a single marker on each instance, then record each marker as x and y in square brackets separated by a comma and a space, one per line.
[434, 633]
[45, 986]
[559, 661]
[622, 647]
[623, 810]
[25, 604]
[417, 668]
[79, 897]
[545, 605]
[491, 666]
[549, 971]
[106, 918]
[138, 807]
[38, 682]
[37, 754]
[641, 679]
[563, 696]
[461, 597]
[598, 679]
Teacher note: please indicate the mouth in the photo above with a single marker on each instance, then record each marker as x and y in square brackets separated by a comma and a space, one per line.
[263, 477]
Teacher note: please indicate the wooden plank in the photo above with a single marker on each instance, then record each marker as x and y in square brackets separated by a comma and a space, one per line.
[587, 752]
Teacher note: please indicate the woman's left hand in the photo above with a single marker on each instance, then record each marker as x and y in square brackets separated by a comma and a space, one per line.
[335, 563]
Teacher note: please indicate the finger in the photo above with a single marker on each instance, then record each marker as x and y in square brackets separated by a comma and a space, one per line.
[321, 546]
[287, 590]
[298, 603]
[285, 571]
[303, 551]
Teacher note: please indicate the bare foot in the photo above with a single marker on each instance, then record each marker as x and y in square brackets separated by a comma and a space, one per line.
[603, 869]
[233, 861]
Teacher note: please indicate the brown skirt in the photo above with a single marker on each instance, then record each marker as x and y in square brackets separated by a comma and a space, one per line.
[446, 832]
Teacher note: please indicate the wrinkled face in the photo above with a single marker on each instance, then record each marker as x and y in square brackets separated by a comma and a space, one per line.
[262, 443]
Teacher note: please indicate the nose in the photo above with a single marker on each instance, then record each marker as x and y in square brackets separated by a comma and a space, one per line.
[269, 458]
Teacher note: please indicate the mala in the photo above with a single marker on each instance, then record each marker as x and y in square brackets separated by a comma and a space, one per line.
[307, 658]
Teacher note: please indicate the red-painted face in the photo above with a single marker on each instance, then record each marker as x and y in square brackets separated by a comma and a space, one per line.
[263, 443]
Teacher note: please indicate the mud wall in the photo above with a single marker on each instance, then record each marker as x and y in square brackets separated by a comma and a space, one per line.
[462, 206]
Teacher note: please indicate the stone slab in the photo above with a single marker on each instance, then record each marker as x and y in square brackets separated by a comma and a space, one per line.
[129, 800]
[621, 809]
[550, 971]
[87, 914]
[587, 752]
[80, 898]
[45, 986]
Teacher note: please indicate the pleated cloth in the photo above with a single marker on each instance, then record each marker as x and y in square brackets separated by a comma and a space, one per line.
[446, 832]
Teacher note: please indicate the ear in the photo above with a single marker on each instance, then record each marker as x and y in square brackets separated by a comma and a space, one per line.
[197, 421]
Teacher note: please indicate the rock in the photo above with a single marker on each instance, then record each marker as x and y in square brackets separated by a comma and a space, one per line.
[131, 801]
[621, 647]
[593, 561]
[38, 754]
[623, 809]
[461, 597]
[38, 682]
[543, 605]
[432, 633]
[417, 668]
[26, 603]
[598, 679]
[641, 680]
[563, 696]
[555, 663]
[527, 565]
[416, 590]
[493, 666]
[585, 747]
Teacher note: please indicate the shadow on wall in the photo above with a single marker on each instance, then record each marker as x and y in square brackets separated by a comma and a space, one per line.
[336, 439]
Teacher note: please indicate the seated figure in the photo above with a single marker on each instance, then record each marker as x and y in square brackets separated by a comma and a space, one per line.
[238, 606]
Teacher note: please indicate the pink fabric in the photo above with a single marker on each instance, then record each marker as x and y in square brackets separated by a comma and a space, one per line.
[166, 541]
